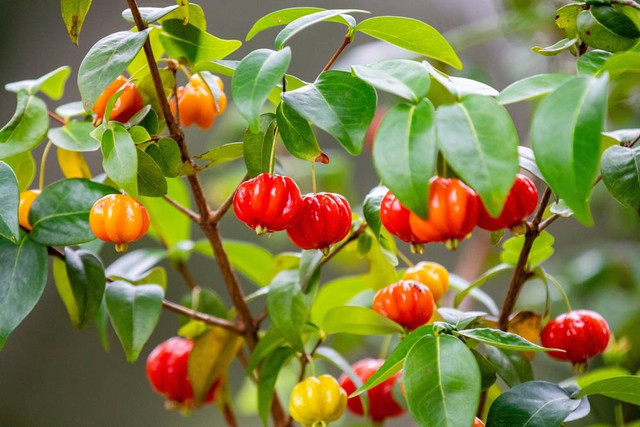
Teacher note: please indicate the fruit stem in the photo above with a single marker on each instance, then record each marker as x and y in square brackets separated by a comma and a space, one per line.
[313, 177]
[43, 164]
[404, 258]
[384, 349]
[122, 247]
[345, 42]
[618, 414]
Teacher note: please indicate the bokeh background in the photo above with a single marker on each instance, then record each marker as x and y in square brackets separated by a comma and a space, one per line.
[54, 375]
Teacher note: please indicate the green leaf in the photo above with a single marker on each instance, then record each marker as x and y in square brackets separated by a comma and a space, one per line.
[620, 168]
[292, 83]
[160, 14]
[336, 293]
[592, 62]
[74, 136]
[184, 9]
[501, 339]
[532, 87]
[487, 275]
[624, 62]
[565, 137]
[151, 180]
[168, 225]
[623, 388]
[371, 210]
[338, 103]
[136, 264]
[267, 380]
[149, 14]
[556, 48]
[23, 274]
[60, 215]
[166, 154]
[296, 134]
[105, 61]
[257, 74]
[217, 155]
[351, 319]
[258, 147]
[287, 307]
[192, 45]
[80, 281]
[26, 128]
[604, 27]
[459, 284]
[512, 366]
[401, 77]
[442, 381]
[459, 86]
[134, 313]
[73, 14]
[24, 166]
[405, 153]
[528, 162]
[204, 300]
[253, 261]
[222, 66]
[286, 16]
[71, 109]
[566, 18]
[394, 362]
[412, 35]
[51, 84]
[532, 404]
[306, 21]
[541, 250]
[479, 141]
[460, 319]
[268, 343]
[488, 372]
[120, 159]
[9, 198]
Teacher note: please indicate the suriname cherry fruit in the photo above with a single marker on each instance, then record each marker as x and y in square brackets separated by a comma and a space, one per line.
[382, 405]
[432, 275]
[26, 200]
[582, 334]
[453, 213]
[268, 203]
[395, 218]
[325, 219]
[407, 302]
[167, 370]
[120, 219]
[521, 202]
[317, 401]
[127, 105]
[196, 103]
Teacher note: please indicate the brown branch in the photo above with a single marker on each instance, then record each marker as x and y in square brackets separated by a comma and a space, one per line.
[202, 317]
[56, 117]
[335, 56]
[188, 212]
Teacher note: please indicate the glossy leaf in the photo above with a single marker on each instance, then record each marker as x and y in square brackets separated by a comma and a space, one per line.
[267, 380]
[80, 281]
[479, 141]
[338, 103]
[460, 86]
[501, 339]
[24, 167]
[532, 404]
[217, 155]
[190, 44]
[565, 137]
[442, 382]
[159, 14]
[284, 17]
[556, 48]
[512, 366]
[371, 210]
[528, 161]
[623, 62]
[532, 87]
[120, 159]
[460, 319]
[256, 75]
[60, 215]
[592, 61]
[73, 14]
[51, 84]
[303, 22]
[166, 154]
[604, 27]
[541, 250]
[566, 18]
[287, 307]
[401, 77]
[351, 319]
[9, 198]
[459, 284]
[620, 168]
[149, 14]
[72, 164]
[412, 35]
[623, 388]
[151, 180]
[26, 128]
[168, 225]
[136, 264]
[405, 153]
[23, 274]
[105, 61]
[336, 293]
[134, 313]
[487, 275]
[74, 136]
[258, 147]
[296, 134]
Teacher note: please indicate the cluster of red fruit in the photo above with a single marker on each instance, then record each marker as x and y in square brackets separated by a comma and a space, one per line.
[454, 210]
[269, 203]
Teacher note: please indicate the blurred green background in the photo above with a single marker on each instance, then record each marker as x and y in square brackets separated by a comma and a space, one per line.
[54, 375]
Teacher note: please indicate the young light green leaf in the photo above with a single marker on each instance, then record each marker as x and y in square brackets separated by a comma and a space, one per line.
[26, 128]
[151, 180]
[459, 284]
[623, 388]
[351, 319]
[267, 380]
[296, 134]
[532, 87]
[51, 84]
[169, 226]
[287, 307]
[565, 137]
[479, 141]
[257, 74]
[541, 250]
[217, 155]
[9, 198]
[556, 48]
[501, 339]
[134, 313]
[401, 77]
[442, 381]
[120, 159]
[71, 109]
[405, 153]
[620, 168]
[60, 215]
[336, 293]
[460, 319]
[258, 147]
[105, 61]
[73, 14]
[23, 274]
[24, 166]
[338, 103]
[184, 9]
[487, 275]
[306, 21]
[286, 16]
[74, 136]
[192, 45]
[566, 17]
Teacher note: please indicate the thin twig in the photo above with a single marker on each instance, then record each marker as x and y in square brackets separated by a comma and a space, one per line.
[202, 317]
[56, 117]
[342, 245]
[335, 56]
[188, 212]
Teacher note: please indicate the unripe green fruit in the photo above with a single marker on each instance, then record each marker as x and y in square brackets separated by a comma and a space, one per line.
[603, 27]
